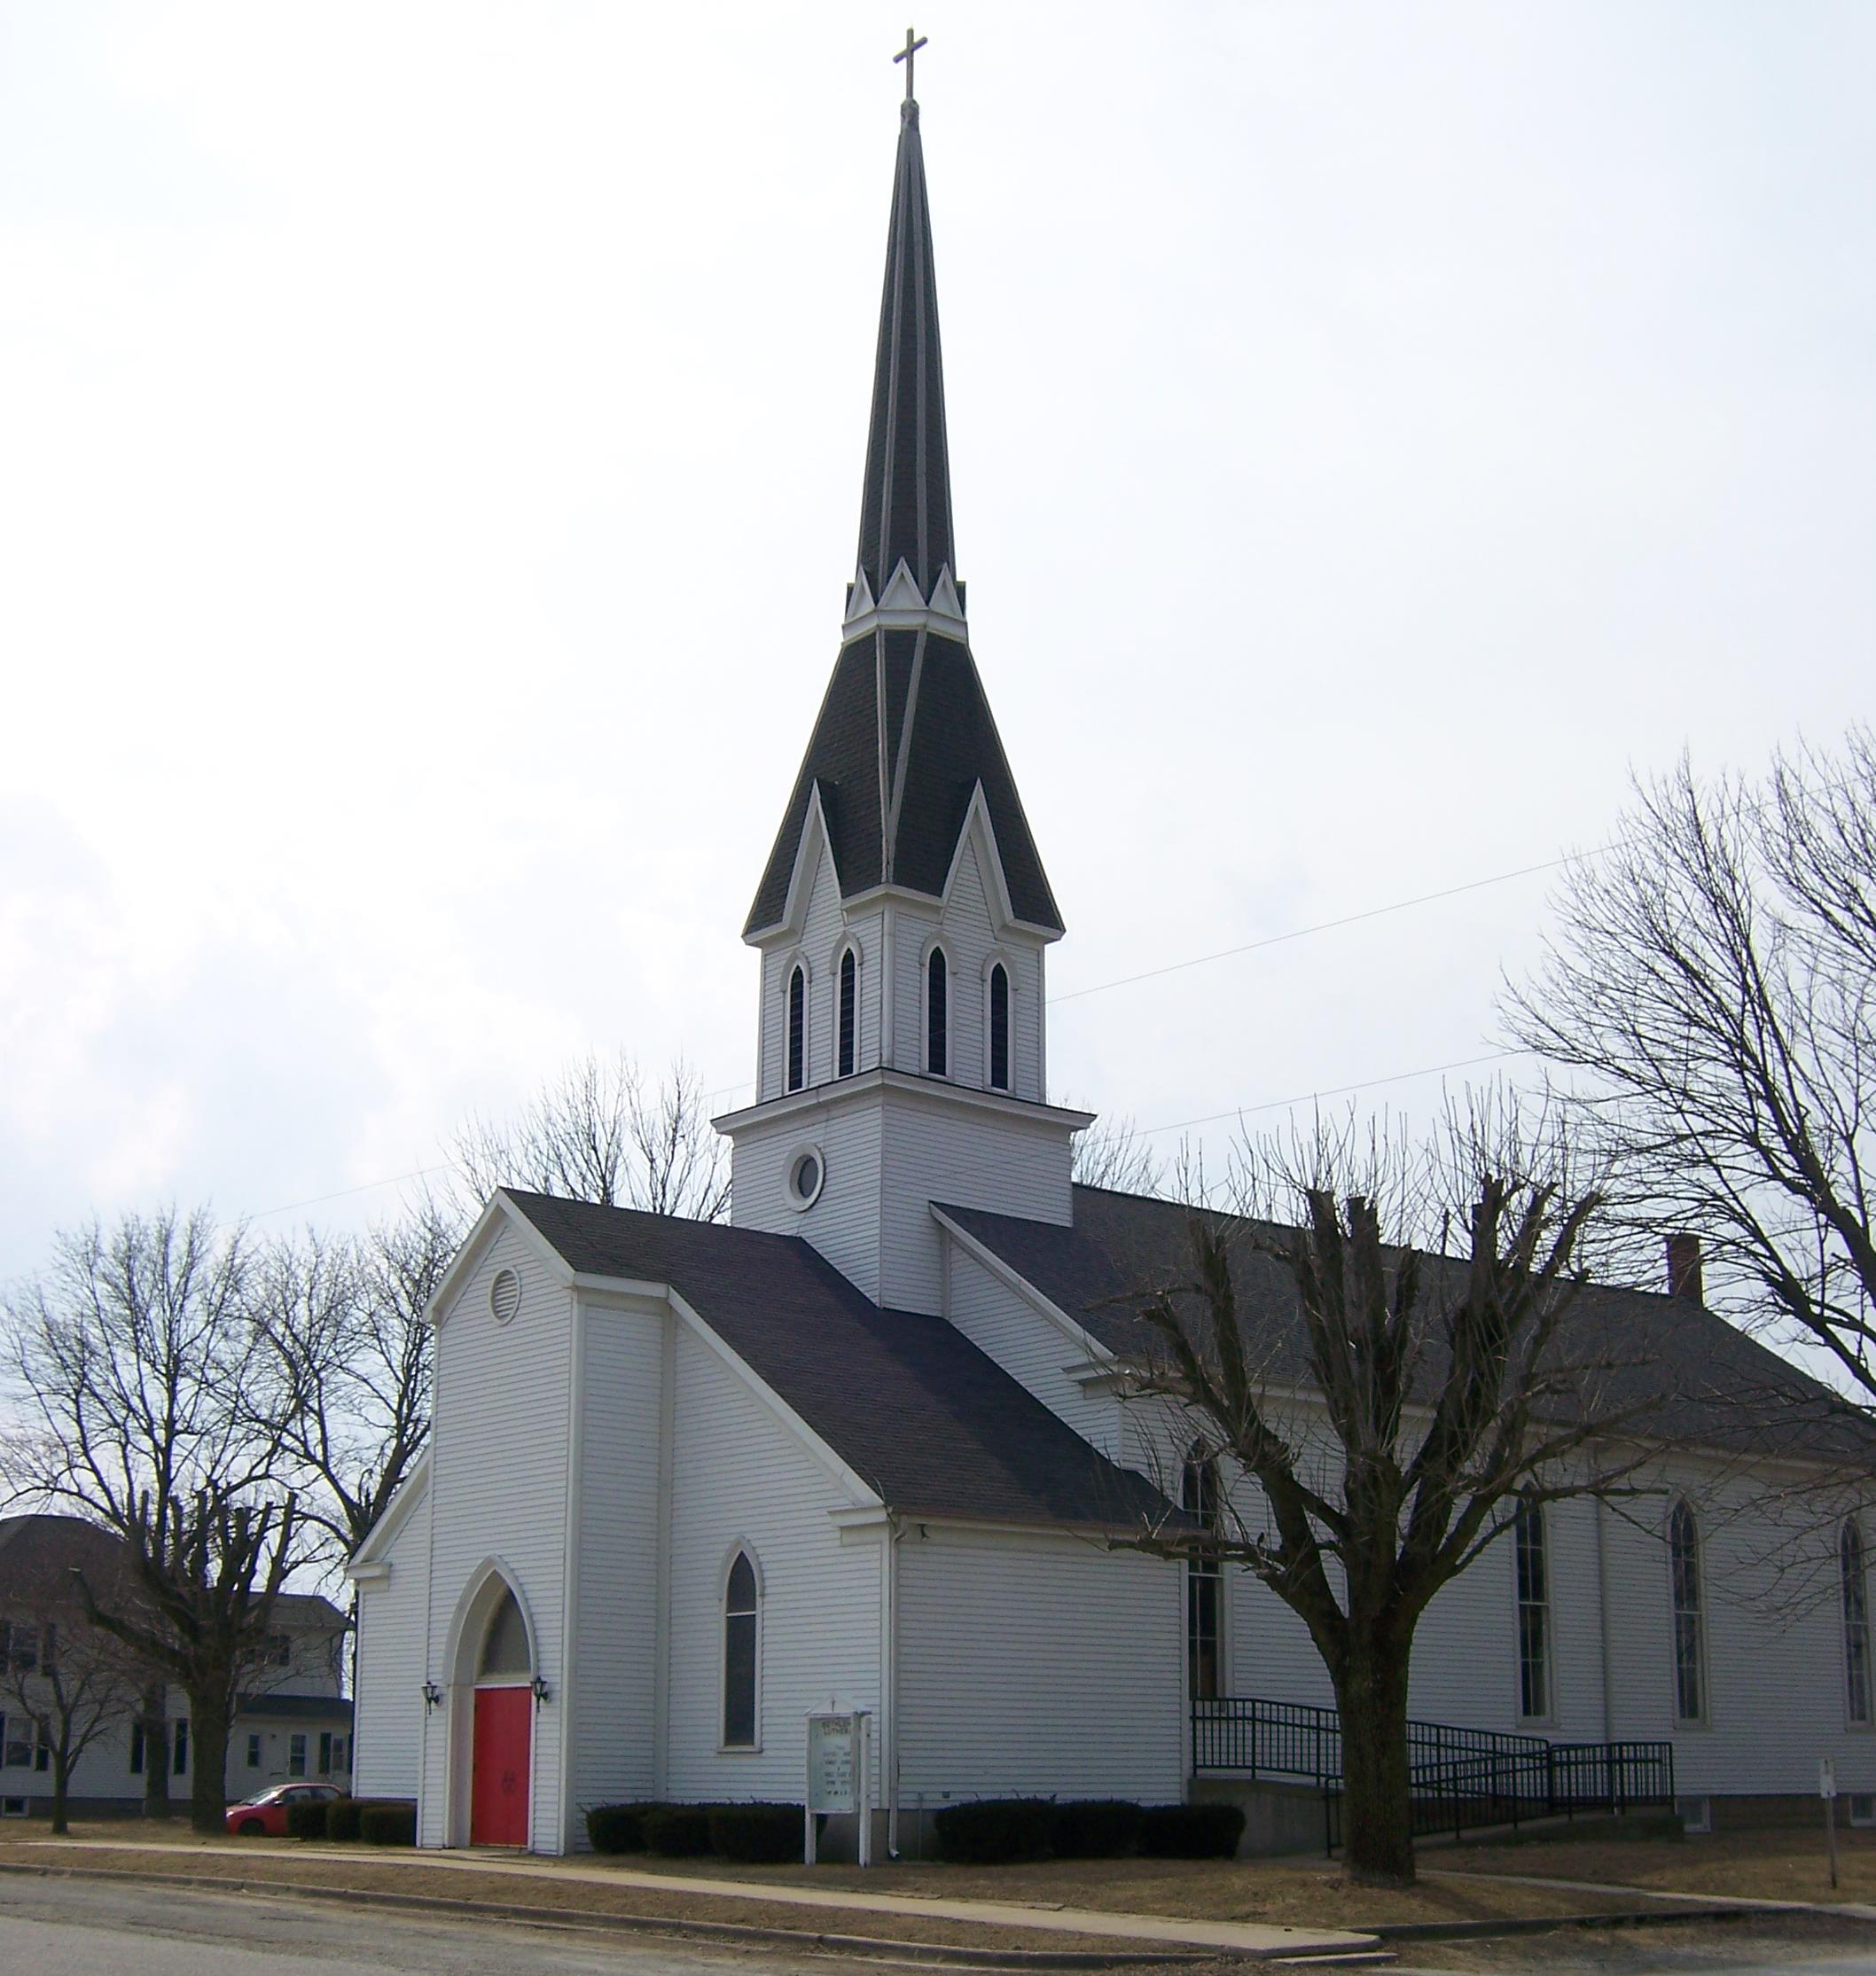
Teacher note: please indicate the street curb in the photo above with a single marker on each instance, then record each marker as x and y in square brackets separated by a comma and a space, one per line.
[1537, 1924]
[873, 1948]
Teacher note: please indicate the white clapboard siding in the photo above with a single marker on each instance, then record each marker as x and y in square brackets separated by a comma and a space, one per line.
[611, 1692]
[498, 1487]
[1037, 1665]
[1005, 1163]
[743, 1477]
[1777, 1694]
[844, 1221]
[889, 1154]
[1031, 1348]
[388, 1711]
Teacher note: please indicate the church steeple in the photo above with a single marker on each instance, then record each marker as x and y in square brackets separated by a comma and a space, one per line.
[905, 740]
[905, 505]
[904, 918]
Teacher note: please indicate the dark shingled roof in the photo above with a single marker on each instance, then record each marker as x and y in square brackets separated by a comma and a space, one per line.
[905, 508]
[296, 1708]
[1693, 1377]
[907, 1401]
[949, 745]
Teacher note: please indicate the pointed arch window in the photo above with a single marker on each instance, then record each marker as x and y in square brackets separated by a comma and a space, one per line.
[937, 1032]
[742, 1647]
[999, 1014]
[1204, 1579]
[1534, 1612]
[847, 1017]
[797, 1026]
[1854, 1561]
[1690, 1643]
[506, 1655]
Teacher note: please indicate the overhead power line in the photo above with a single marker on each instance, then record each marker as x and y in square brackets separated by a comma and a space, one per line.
[1337, 1090]
[339, 1193]
[1329, 926]
[1128, 981]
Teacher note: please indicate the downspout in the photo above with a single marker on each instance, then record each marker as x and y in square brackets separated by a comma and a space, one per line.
[570, 1557]
[1602, 1610]
[662, 1618]
[889, 1684]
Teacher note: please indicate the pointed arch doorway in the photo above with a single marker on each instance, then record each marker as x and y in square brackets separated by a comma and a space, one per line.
[500, 1770]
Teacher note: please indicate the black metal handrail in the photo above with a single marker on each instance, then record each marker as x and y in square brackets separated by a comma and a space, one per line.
[1462, 1779]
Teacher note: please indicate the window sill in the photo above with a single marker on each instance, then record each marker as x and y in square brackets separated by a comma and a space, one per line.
[739, 1749]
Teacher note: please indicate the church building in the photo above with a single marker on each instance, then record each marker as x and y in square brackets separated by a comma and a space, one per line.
[862, 1448]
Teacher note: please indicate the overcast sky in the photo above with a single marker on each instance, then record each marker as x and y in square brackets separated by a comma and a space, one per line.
[430, 443]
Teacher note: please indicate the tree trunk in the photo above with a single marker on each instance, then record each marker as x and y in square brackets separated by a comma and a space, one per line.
[209, 1714]
[61, 1793]
[156, 1753]
[1377, 1797]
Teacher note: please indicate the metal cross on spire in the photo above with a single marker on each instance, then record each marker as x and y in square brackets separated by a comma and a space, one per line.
[906, 54]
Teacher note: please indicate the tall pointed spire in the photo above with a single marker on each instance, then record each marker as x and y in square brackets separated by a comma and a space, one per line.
[905, 510]
[905, 747]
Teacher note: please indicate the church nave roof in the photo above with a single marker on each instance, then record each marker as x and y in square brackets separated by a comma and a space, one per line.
[930, 1423]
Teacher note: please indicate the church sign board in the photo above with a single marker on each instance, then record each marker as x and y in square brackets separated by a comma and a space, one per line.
[839, 1776]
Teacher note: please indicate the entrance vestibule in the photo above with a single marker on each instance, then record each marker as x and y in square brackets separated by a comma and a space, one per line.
[501, 1767]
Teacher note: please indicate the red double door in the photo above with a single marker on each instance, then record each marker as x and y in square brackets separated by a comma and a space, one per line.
[498, 1785]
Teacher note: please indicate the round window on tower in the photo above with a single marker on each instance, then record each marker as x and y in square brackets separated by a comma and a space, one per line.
[504, 1295]
[807, 1175]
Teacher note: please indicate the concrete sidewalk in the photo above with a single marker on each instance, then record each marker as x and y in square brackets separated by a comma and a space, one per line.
[1155, 1931]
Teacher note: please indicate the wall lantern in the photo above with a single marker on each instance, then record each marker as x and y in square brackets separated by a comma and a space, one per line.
[433, 1694]
[540, 1690]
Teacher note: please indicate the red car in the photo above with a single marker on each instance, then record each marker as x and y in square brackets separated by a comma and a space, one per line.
[267, 1813]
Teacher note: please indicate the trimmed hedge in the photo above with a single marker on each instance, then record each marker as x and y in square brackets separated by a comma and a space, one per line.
[1191, 1831]
[306, 1819]
[1096, 1828]
[391, 1823]
[616, 1828]
[677, 1831]
[341, 1816]
[757, 1834]
[996, 1832]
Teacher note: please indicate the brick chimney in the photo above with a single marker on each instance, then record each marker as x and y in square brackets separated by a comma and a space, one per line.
[1683, 1267]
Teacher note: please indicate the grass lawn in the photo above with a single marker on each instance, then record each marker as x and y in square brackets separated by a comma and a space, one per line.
[1776, 1863]
[1307, 1893]
[1289, 1893]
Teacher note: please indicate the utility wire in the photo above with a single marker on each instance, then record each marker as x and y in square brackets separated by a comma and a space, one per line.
[1128, 981]
[364, 1187]
[1328, 925]
[1337, 1090]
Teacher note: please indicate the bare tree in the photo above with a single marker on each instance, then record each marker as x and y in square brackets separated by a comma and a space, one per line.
[344, 1383]
[1391, 1409]
[1113, 1155]
[1714, 979]
[71, 1680]
[600, 1134]
[133, 1356]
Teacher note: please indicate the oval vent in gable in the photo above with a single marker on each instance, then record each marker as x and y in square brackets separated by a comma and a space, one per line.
[504, 1295]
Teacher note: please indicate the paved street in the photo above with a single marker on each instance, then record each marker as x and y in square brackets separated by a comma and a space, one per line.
[55, 1927]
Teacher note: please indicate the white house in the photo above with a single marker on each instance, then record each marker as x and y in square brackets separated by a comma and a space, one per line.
[863, 1448]
[293, 1718]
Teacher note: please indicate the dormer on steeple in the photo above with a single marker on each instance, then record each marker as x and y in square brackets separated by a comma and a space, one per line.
[903, 916]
